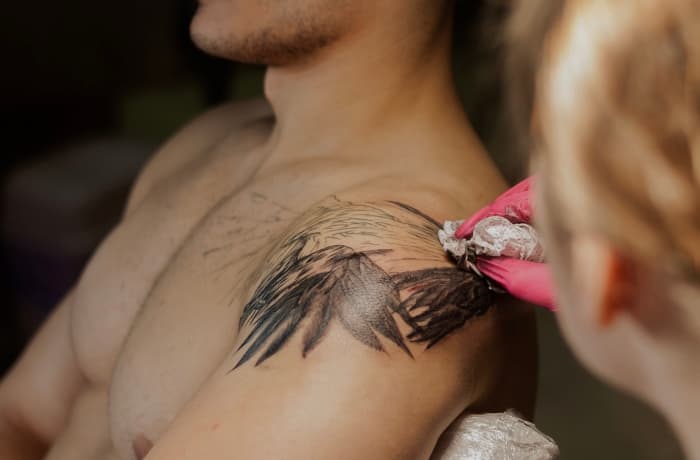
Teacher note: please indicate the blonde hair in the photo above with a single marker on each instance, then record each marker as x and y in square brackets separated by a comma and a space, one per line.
[616, 87]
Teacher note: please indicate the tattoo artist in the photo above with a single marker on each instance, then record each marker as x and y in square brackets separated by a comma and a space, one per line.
[615, 136]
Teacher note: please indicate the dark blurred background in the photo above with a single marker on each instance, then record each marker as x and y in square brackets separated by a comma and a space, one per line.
[91, 88]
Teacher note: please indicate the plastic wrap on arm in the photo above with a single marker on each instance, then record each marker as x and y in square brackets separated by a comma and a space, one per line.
[500, 436]
[494, 236]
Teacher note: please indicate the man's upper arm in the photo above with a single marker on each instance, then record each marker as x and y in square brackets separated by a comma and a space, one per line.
[361, 340]
[37, 394]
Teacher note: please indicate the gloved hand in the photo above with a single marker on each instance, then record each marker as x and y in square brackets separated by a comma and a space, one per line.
[515, 204]
[528, 281]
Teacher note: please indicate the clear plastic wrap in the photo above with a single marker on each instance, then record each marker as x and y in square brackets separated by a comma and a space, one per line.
[497, 236]
[456, 247]
[494, 236]
[500, 436]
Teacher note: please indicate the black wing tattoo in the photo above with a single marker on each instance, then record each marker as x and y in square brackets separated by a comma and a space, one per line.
[313, 287]
[334, 283]
[440, 301]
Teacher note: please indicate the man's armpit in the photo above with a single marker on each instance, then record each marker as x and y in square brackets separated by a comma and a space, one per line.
[367, 268]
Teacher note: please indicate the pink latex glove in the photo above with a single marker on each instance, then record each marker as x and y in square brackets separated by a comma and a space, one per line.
[528, 281]
[514, 203]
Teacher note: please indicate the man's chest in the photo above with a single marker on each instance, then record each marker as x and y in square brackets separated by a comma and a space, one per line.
[157, 309]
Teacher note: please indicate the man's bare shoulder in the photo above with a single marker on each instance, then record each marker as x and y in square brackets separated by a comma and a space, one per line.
[351, 261]
[196, 138]
[373, 271]
[443, 194]
[356, 324]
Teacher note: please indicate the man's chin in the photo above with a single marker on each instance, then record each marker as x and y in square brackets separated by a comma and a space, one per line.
[211, 32]
[259, 48]
[284, 43]
[226, 47]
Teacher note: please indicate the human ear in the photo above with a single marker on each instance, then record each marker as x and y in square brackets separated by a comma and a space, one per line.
[608, 280]
[620, 288]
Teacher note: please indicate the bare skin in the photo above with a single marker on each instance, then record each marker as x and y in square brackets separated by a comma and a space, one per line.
[146, 356]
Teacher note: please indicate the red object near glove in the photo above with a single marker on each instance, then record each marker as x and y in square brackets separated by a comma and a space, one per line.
[528, 281]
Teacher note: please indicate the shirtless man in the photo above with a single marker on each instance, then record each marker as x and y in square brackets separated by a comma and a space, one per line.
[276, 289]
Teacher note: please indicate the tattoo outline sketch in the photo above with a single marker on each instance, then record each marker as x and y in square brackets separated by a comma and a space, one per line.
[315, 279]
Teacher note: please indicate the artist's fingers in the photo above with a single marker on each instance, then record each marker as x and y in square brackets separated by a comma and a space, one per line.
[467, 227]
[495, 268]
[515, 204]
[523, 185]
[528, 281]
[518, 202]
[518, 207]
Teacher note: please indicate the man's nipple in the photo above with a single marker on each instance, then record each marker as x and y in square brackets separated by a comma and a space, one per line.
[142, 446]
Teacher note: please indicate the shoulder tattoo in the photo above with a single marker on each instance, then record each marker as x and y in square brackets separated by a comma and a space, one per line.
[337, 267]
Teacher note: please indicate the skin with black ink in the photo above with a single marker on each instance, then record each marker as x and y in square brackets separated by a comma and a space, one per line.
[314, 281]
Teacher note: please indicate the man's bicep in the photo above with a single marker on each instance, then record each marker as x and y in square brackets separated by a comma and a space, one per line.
[38, 392]
[342, 403]
[344, 399]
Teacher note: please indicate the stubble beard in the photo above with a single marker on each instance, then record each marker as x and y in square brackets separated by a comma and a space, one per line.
[295, 42]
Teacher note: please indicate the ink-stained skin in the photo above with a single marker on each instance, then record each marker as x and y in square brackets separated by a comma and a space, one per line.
[313, 281]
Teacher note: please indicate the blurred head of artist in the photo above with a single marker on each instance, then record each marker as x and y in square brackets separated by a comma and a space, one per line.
[616, 129]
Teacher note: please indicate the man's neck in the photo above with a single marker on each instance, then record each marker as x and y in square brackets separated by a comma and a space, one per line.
[366, 87]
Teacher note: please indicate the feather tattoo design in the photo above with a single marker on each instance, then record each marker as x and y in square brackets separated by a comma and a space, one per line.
[316, 281]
